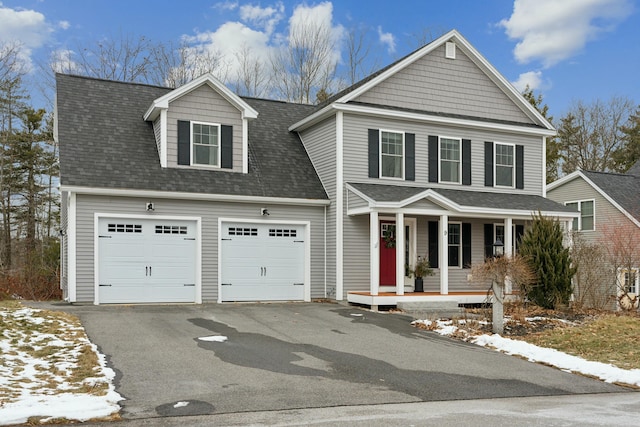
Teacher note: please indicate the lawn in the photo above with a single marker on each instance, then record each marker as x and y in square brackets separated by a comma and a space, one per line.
[49, 370]
[600, 344]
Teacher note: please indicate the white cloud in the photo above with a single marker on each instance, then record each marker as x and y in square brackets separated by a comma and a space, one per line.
[263, 17]
[61, 61]
[387, 39]
[551, 31]
[533, 79]
[64, 25]
[26, 27]
[226, 5]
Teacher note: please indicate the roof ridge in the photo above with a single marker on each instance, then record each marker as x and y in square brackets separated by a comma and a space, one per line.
[100, 79]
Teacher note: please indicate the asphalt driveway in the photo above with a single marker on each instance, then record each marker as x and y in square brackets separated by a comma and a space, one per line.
[288, 356]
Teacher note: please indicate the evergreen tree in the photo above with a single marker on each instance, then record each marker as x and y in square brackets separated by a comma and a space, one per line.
[630, 154]
[542, 245]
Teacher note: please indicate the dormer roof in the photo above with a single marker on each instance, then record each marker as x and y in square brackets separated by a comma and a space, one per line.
[208, 79]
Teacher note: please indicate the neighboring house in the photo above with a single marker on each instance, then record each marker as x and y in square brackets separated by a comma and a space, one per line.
[607, 202]
[197, 194]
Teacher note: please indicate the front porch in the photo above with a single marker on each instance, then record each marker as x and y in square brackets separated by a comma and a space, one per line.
[392, 298]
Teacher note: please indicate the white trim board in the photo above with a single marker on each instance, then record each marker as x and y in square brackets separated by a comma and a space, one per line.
[192, 196]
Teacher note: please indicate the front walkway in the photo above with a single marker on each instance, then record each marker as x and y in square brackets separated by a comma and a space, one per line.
[392, 298]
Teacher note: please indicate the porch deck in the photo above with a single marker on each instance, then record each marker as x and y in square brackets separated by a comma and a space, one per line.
[392, 298]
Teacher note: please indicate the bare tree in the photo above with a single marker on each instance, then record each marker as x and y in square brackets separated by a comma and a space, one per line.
[592, 284]
[358, 51]
[496, 272]
[621, 241]
[174, 65]
[591, 135]
[306, 64]
[252, 77]
[125, 58]
[425, 36]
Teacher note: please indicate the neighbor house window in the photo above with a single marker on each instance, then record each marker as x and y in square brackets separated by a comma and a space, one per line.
[630, 280]
[586, 221]
[391, 154]
[504, 164]
[455, 248]
[206, 144]
[450, 169]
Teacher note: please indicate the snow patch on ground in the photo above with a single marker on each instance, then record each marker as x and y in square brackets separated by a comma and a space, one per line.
[180, 404]
[214, 338]
[606, 372]
[39, 386]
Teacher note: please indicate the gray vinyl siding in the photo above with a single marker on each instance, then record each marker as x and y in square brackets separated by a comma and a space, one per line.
[204, 105]
[356, 258]
[354, 201]
[423, 204]
[209, 212]
[437, 84]
[157, 132]
[356, 152]
[605, 213]
[64, 247]
[320, 143]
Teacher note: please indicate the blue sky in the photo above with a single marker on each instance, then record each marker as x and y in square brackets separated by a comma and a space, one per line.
[565, 49]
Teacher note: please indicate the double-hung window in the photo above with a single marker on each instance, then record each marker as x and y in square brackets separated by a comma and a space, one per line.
[391, 154]
[586, 221]
[454, 237]
[504, 165]
[450, 155]
[630, 280]
[205, 138]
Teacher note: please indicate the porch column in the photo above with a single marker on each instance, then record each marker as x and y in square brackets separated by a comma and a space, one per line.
[374, 253]
[400, 253]
[508, 236]
[443, 253]
[508, 250]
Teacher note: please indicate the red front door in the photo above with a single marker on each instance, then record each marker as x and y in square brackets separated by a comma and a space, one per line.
[387, 253]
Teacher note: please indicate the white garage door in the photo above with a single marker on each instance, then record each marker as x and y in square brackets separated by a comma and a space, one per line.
[262, 262]
[146, 260]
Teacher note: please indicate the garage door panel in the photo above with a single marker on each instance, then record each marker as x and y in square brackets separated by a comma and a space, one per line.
[262, 262]
[146, 260]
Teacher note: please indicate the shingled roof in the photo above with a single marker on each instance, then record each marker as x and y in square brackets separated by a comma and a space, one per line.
[105, 143]
[472, 199]
[622, 188]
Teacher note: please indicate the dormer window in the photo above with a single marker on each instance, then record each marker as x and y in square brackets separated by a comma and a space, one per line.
[205, 138]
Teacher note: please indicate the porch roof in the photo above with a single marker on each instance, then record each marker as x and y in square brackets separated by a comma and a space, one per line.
[459, 200]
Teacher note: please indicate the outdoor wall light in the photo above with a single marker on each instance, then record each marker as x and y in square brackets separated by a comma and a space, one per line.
[264, 212]
[150, 207]
[498, 248]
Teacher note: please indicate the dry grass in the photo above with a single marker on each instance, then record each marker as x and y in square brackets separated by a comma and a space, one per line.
[608, 338]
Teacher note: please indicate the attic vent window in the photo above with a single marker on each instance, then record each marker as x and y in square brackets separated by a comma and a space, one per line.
[450, 50]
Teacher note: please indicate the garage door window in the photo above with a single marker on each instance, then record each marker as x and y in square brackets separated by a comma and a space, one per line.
[243, 231]
[171, 229]
[124, 228]
[282, 232]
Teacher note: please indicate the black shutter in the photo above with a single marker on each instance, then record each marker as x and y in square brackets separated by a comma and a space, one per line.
[519, 166]
[466, 162]
[518, 237]
[374, 153]
[488, 164]
[184, 142]
[410, 157]
[488, 240]
[226, 147]
[466, 245]
[433, 158]
[433, 244]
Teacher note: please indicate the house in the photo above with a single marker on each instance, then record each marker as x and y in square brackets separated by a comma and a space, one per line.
[196, 194]
[605, 201]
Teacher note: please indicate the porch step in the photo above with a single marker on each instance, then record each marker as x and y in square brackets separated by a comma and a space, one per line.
[441, 308]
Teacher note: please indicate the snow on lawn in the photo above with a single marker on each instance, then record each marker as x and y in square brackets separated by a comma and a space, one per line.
[606, 372]
[49, 369]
